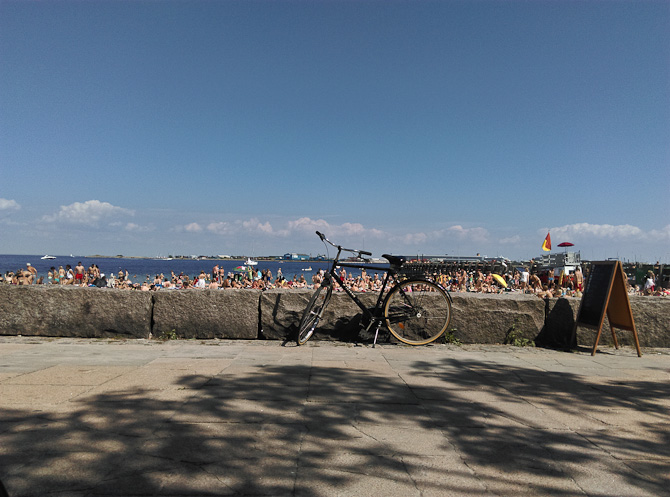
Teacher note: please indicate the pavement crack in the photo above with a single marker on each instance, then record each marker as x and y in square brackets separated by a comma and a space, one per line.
[409, 475]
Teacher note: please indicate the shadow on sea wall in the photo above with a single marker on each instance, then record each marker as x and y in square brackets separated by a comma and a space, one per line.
[275, 314]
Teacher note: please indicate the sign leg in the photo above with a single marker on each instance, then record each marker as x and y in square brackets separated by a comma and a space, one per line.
[595, 345]
[616, 343]
[637, 342]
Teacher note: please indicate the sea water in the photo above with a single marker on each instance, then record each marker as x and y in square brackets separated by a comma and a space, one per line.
[141, 269]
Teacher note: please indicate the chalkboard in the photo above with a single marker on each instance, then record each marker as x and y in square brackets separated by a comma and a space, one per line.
[596, 294]
[605, 292]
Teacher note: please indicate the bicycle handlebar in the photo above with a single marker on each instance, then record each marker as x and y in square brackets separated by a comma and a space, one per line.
[340, 247]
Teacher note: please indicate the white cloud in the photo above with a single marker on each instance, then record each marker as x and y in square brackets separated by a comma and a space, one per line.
[340, 232]
[353, 228]
[255, 225]
[586, 230]
[345, 233]
[662, 234]
[233, 228]
[193, 228]
[6, 204]
[299, 226]
[87, 213]
[307, 224]
[414, 238]
[470, 234]
[510, 240]
[11, 222]
[136, 228]
[220, 228]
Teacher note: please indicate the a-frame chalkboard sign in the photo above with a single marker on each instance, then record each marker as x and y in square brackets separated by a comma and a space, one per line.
[605, 292]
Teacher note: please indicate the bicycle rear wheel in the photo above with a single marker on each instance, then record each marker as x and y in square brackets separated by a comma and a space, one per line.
[417, 311]
[313, 312]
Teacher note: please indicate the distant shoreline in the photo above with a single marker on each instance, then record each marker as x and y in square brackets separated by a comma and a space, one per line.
[178, 258]
[236, 258]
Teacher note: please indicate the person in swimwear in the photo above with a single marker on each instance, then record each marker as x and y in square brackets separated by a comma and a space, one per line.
[79, 270]
[33, 272]
[200, 282]
[579, 279]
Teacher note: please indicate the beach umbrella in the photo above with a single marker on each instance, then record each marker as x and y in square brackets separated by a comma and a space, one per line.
[566, 245]
[500, 280]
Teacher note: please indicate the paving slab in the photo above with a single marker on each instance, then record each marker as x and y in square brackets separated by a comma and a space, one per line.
[96, 417]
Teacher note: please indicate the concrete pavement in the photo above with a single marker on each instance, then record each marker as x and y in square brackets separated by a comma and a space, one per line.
[82, 417]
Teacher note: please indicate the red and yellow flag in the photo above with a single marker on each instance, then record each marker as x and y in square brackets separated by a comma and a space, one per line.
[546, 244]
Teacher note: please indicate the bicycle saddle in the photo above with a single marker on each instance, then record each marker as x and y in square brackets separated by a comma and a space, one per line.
[394, 259]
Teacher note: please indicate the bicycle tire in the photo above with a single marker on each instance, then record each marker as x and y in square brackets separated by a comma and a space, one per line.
[313, 312]
[417, 311]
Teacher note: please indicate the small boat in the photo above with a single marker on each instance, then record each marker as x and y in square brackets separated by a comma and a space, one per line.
[307, 269]
[47, 257]
[251, 262]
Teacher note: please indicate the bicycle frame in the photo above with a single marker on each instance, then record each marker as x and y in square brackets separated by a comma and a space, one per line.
[391, 276]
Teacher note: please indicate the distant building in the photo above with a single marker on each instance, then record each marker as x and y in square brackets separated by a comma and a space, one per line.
[296, 257]
[456, 259]
[452, 258]
[560, 259]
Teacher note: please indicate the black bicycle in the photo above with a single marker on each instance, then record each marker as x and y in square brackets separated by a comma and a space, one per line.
[415, 310]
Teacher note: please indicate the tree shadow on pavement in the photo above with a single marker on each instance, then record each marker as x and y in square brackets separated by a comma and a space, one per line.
[442, 427]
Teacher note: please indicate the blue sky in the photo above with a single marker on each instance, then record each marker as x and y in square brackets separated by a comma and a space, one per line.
[240, 127]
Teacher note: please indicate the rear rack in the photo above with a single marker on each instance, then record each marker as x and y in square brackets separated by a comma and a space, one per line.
[435, 269]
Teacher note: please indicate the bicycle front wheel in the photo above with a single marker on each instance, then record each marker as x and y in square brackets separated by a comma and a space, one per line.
[313, 312]
[417, 311]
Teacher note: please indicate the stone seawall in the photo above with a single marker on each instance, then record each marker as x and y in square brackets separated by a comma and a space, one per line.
[275, 314]
[63, 311]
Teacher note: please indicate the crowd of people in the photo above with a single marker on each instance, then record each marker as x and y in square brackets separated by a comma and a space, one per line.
[544, 284]
[93, 277]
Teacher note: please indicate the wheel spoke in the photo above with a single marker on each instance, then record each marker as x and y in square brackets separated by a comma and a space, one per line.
[313, 312]
[417, 311]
